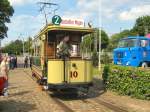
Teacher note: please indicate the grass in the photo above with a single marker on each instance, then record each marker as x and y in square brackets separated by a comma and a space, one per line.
[96, 70]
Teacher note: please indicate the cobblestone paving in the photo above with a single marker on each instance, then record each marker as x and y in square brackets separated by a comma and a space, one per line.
[26, 96]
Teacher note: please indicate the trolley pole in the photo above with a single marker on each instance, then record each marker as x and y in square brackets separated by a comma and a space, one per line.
[99, 36]
[99, 61]
[44, 6]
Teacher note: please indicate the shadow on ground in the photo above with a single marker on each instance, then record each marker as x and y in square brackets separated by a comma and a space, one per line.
[16, 106]
[19, 93]
[96, 90]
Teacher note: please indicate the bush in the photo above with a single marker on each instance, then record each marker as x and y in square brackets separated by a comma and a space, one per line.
[95, 58]
[130, 81]
[105, 58]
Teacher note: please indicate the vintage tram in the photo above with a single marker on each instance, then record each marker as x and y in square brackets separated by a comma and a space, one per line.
[61, 73]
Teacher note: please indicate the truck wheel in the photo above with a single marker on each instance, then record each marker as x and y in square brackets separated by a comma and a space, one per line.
[144, 65]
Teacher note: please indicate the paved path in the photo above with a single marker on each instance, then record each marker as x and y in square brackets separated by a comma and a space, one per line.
[26, 96]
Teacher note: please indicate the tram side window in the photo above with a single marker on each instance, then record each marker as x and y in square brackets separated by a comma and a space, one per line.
[51, 37]
[36, 57]
[38, 51]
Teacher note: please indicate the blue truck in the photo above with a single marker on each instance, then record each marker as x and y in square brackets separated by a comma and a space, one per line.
[133, 51]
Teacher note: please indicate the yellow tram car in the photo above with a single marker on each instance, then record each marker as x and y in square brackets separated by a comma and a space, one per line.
[56, 73]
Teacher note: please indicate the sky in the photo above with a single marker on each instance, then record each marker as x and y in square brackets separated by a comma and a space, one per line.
[110, 15]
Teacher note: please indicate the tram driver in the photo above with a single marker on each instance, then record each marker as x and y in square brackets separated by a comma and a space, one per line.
[64, 48]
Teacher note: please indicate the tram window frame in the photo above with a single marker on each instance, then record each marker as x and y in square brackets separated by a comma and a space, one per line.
[51, 37]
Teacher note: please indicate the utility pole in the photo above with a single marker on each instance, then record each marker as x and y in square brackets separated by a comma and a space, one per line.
[23, 46]
[99, 61]
[48, 5]
[99, 37]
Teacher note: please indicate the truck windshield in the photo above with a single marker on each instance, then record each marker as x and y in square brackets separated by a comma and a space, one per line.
[127, 43]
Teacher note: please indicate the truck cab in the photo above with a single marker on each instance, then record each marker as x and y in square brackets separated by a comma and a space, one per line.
[133, 51]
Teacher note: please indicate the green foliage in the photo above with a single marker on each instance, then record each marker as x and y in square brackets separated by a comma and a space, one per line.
[134, 82]
[116, 37]
[142, 25]
[15, 47]
[6, 11]
[105, 73]
[104, 40]
[95, 71]
[105, 59]
[28, 45]
[88, 42]
[95, 59]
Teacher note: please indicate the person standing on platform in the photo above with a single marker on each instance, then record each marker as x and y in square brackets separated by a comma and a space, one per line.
[31, 61]
[26, 62]
[4, 73]
[11, 62]
[15, 61]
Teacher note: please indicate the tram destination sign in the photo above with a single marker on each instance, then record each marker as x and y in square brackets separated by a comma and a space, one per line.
[72, 22]
[57, 20]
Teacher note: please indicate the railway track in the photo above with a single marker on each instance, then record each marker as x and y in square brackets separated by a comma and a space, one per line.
[84, 100]
[106, 104]
[56, 100]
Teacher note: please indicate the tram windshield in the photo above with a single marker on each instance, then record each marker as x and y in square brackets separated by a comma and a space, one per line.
[72, 42]
[127, 43]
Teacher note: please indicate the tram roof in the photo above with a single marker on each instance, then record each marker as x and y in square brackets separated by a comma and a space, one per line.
[50, 27]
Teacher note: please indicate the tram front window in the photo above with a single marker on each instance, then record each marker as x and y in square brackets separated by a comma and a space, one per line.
[67, 47]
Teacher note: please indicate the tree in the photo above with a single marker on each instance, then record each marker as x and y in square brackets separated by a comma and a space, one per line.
[116, 37]
[104, 40]
[6, 11]
[89, 41]
[14, 47]
[28, 45]
[142, 25]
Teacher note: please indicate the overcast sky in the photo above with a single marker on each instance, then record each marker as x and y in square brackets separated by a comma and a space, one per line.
[111, 15]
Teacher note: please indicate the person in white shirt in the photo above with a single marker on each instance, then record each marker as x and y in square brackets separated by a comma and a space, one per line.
[4, 73]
